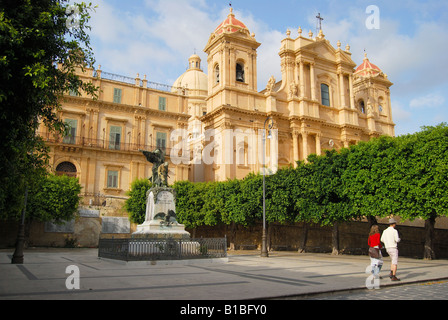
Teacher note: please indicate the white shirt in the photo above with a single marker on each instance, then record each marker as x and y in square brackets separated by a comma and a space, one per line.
[390, 238]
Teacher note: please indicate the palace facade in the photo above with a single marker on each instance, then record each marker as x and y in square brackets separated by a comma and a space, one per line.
[322, 101]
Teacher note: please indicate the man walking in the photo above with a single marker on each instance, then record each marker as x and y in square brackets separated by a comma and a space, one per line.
[390, 238]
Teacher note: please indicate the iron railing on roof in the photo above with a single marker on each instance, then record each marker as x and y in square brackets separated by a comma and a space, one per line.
[141, 83]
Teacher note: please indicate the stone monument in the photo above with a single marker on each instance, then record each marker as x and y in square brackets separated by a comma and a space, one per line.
[160, 218]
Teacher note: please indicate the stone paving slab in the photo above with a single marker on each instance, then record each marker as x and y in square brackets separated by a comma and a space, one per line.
[245, 275]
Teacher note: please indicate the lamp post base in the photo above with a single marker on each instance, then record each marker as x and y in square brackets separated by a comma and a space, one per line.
[264, 248]
[17, 257]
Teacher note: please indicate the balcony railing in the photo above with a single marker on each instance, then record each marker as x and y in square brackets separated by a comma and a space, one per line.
[78, 141]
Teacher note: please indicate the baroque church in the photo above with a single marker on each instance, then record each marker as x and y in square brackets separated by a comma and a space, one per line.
[322, 101]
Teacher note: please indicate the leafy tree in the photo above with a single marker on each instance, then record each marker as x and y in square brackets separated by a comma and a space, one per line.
[230, 191]
[326, 188]
[327, 202]
[303, 205]
[53, 198]
[189, 203]
[250, 201]
[230, 199]
[422, 178]
[35, 167]
[280, 206]
[367, 179]
[40, 50]
[135, 205]
[214, 202]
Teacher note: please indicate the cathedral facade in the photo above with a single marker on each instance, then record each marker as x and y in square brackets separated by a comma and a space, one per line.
[216, 126]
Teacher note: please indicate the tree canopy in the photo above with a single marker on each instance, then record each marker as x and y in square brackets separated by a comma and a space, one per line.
[54, 198]
[43, 42]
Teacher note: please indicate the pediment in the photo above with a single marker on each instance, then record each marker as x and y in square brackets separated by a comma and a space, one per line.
[323, 49]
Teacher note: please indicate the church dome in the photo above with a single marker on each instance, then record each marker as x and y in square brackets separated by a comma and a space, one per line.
[231, 25]
[367, 68]
[194, 79]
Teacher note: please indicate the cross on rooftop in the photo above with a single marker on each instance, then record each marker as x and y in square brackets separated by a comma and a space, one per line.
[319, 21]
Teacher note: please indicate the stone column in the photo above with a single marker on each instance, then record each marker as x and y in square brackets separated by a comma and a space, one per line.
[135, 129]
[318, 148]
[94, 125]
[302, 76]
[352, 95]
[295, 145]
[342, 89]
[313, 82]
[305, 145]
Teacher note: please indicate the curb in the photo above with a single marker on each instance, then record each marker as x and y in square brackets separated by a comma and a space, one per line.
[303, 296]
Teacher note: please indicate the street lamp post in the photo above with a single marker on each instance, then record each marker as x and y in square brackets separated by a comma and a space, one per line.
[17, 257]
[270, 123]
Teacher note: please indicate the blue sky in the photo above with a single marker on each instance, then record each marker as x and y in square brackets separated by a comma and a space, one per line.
[156, 37]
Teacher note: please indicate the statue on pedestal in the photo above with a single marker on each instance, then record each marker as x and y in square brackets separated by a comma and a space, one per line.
[159, 169]
[160, 218]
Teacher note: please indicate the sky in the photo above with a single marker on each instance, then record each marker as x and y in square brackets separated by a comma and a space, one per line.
[406, 39]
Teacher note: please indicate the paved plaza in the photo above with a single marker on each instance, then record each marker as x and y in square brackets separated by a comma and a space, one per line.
[47, 274]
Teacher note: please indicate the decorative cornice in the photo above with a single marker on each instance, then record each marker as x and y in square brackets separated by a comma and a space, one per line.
[105, 105]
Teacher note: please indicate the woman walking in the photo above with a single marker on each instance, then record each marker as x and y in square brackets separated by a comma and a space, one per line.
[376, 258]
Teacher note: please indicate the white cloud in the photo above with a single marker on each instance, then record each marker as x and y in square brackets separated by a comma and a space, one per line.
[131, 42]
[158, 38]
[268, 61]
[107, 24]
[399, 113]
[181, 25]
[429, 101]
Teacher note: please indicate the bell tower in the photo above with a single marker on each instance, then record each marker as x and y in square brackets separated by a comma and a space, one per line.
[372, 98]
[232, 64]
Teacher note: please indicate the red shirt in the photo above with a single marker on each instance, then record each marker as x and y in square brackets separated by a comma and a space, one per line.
[374, 240]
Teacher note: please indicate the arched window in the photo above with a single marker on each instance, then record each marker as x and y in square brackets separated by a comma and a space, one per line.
[239, 72]
[243, 154]
[362, 106]
[66, 168]
[325, 94]
[217, 73]
[380, 104]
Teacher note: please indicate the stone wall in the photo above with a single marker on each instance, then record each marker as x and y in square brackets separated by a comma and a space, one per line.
[352, 238]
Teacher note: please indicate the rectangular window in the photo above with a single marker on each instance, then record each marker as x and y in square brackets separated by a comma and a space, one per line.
[117, 95]
[114, 137]
[162, 103]
[325, 93]
[70, 138]
[161, 140]
[112, 179]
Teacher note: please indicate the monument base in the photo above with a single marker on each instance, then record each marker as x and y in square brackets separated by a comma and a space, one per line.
[155, 230]
[160, 219]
